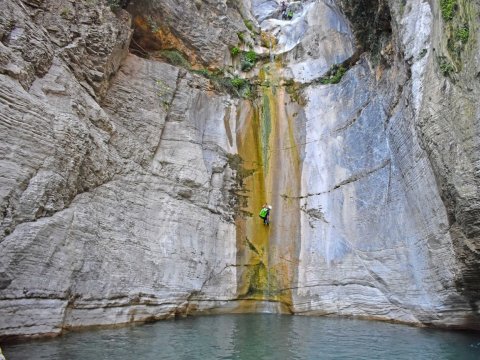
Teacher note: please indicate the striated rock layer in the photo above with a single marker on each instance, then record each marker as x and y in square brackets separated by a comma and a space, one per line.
[116, 205]
[129, 188]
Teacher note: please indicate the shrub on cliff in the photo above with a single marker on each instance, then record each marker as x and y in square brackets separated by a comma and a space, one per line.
[175, 57]
[249, 59]
[234, 51]
[334, 75]
[448, 8]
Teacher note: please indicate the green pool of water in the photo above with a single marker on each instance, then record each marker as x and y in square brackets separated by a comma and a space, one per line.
[255, 337]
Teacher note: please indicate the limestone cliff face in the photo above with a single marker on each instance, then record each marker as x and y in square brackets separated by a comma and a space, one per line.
[439, 247]
[129, 187]
[115, 180]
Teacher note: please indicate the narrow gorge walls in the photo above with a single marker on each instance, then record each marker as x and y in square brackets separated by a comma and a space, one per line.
[138, 146]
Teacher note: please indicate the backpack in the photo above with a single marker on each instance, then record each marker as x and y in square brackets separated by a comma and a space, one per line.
[263, 213]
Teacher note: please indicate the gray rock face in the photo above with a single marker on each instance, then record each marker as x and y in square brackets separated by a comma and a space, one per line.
[384, 245]
[370, 181]
[142, 175]
[43, 123]
[447, 126]
[318, 37]
[129, 187]
[160, 209]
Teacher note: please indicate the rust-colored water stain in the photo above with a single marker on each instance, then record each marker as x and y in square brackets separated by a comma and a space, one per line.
[149, 40]
[267, 254]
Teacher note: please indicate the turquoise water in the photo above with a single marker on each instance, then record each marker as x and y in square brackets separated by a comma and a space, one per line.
[254, 337]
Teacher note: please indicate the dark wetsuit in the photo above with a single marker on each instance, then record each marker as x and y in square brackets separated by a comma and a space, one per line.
[266, 219]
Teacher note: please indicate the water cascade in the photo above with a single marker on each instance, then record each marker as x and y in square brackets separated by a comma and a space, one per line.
[267, 145]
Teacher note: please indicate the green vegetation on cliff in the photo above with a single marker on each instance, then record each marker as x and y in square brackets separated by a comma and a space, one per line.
[234, 51]
[463, 34]
[249, 59]
[248, 25]
[223, 81]
[175, 57]
[334, 75]
[448, 8]
[460, 18]
[446, 67]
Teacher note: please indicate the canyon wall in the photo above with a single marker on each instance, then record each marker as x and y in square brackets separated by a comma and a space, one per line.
[116, 189]
[138, 147]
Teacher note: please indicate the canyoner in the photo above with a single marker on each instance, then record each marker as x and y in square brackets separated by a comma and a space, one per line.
[265, 214]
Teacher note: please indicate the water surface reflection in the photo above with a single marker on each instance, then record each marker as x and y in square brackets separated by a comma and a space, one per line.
[253, 337]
